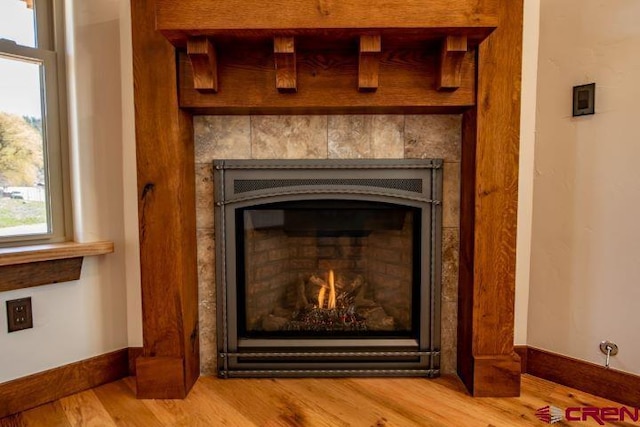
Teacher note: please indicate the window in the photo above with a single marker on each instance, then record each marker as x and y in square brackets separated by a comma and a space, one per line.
[32, 203]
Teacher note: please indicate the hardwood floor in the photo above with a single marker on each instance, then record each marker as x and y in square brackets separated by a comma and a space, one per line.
[371, 402]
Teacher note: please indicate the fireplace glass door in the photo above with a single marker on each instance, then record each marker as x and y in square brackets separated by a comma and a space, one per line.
[330, 268]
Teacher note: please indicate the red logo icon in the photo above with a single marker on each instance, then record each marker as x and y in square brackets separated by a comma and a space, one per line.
[550, 414]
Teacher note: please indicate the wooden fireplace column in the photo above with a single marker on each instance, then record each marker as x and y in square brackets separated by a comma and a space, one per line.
[169, 365]
[487, 363]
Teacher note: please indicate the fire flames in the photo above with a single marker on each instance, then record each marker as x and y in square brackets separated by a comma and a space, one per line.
[331, 300]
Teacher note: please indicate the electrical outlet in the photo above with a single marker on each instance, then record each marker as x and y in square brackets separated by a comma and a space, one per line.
[19, 315]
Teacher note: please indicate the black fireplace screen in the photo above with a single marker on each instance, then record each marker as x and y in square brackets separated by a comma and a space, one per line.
[328, 268]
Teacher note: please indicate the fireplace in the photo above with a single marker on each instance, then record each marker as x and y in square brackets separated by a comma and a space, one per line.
[328, 268]
[173, 269]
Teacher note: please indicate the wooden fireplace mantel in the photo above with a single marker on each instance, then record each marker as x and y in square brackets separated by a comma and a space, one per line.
[184, 63]
[242, 57]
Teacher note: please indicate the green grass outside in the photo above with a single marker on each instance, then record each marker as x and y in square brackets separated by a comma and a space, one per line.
[14, 212]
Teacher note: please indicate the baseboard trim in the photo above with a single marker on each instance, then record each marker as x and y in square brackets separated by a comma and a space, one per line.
[611, 384]
[34, 390]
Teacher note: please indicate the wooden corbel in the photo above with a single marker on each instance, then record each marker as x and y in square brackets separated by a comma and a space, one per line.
[285, 59]
[202, 54]
[369, 63]
[452, 53]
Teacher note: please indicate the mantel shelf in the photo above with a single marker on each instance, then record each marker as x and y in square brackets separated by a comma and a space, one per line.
[28, 266]
[178, 19]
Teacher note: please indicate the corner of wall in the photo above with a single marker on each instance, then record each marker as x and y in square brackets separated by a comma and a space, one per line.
[531, 32]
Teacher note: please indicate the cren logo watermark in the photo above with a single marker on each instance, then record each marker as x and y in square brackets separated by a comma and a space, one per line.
[551, 414]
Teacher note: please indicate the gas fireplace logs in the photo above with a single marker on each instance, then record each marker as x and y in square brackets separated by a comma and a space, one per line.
[336, 304]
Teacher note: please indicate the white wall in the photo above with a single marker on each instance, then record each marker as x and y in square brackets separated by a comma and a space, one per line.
[531, 33]
[80, 319]
[130, 190]
[585, 263]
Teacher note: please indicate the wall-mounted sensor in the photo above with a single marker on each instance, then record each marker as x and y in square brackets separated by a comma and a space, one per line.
[584, 99]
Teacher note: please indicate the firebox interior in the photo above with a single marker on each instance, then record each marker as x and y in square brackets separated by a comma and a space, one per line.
[338, 268]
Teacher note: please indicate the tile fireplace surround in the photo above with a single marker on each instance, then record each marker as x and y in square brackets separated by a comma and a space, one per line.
[326, 137]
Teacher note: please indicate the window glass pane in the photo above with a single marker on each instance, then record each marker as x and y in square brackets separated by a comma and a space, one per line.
[17, 22]
[24, 202]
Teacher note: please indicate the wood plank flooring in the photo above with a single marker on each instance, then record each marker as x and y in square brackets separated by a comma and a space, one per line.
[370, 402]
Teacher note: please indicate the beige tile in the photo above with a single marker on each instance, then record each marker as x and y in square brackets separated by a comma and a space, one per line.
[450, 261]
[387, 136]
[204, 196]
[433, 136]
[350, 137]
[222, 137]
[206, 256]
[208, 351]
[208, 347]
[289, 137]
[366, 136]
[451, 195]
[207, 301]
[449, 337]
[448, 361]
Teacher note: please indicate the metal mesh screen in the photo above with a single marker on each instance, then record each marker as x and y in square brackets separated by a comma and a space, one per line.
[248, 185]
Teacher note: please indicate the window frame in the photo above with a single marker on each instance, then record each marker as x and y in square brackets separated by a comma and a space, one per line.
[49, 52]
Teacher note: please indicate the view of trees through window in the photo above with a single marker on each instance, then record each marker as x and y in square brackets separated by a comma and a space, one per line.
[22, 178]
[23, 186]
